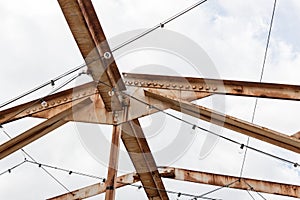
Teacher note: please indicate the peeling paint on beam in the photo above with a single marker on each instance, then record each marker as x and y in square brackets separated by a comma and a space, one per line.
[96, 189]
[89, 36]
[243, 184]
[141, 156]
[55, 101]
[39, 131]
[214, 86]
[229, 122]
[191, 176]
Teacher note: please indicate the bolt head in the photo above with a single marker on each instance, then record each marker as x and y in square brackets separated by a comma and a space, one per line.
[44, 104]
[107, 55]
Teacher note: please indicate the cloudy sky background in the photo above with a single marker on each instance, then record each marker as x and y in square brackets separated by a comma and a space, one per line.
[36, 46]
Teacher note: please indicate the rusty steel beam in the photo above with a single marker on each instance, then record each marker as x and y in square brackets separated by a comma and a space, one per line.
[229, 122]
[113, 163]
[221, 180]
[296, 135]
[191, 176]
[87, 31]
[39, 131]
[214, 86]
[96, 189]
[139, 103]
[92, 113]
[142, 159]
[55, 104]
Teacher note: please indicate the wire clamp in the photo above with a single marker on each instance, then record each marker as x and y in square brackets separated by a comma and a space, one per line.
[110, 187]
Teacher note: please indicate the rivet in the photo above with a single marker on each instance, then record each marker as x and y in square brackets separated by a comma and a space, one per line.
[65, 99]
[135, 82]
[207, 88]
[155, 84]
[34, 109]
[53, 103]
[161, 84]
[187, 87]
[58, 101]
[181, 86]
[130, 82]
[194, 87]
[142, 83]
[149, 83]
[174, 86]
[214, 89]
[27, 111]
[168, 85]
[200, 87]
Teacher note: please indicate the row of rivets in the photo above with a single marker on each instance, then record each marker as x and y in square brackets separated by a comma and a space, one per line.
[155, 84]
[52, 103]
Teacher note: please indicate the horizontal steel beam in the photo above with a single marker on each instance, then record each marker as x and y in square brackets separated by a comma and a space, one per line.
[191, 176]
[229, 122]
[214, 86]
[38, 131]
[96, 189]
[55, 104]
[92, 113]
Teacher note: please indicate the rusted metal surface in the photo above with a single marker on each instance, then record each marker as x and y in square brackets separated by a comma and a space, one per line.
[102, 46]
[38, 131]
[195, 177]
[214, 86]
[92, 113]
[113, 163]
[232, 123]
[139, 105]
[96, 189]
[165, 92]
[142, 159]
[296, 135]
[87, 31]
[55, 102]
[221, 180]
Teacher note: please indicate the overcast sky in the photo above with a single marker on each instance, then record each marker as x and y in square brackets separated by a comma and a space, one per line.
[36, 46]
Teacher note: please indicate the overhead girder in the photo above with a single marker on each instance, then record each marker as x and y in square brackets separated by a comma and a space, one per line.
[87, 31]
[40, 130]
[229, 122]
[191, 176]
[92, 113]
[168, 92]
[55, 104]
[214, 86]
[138, 149]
